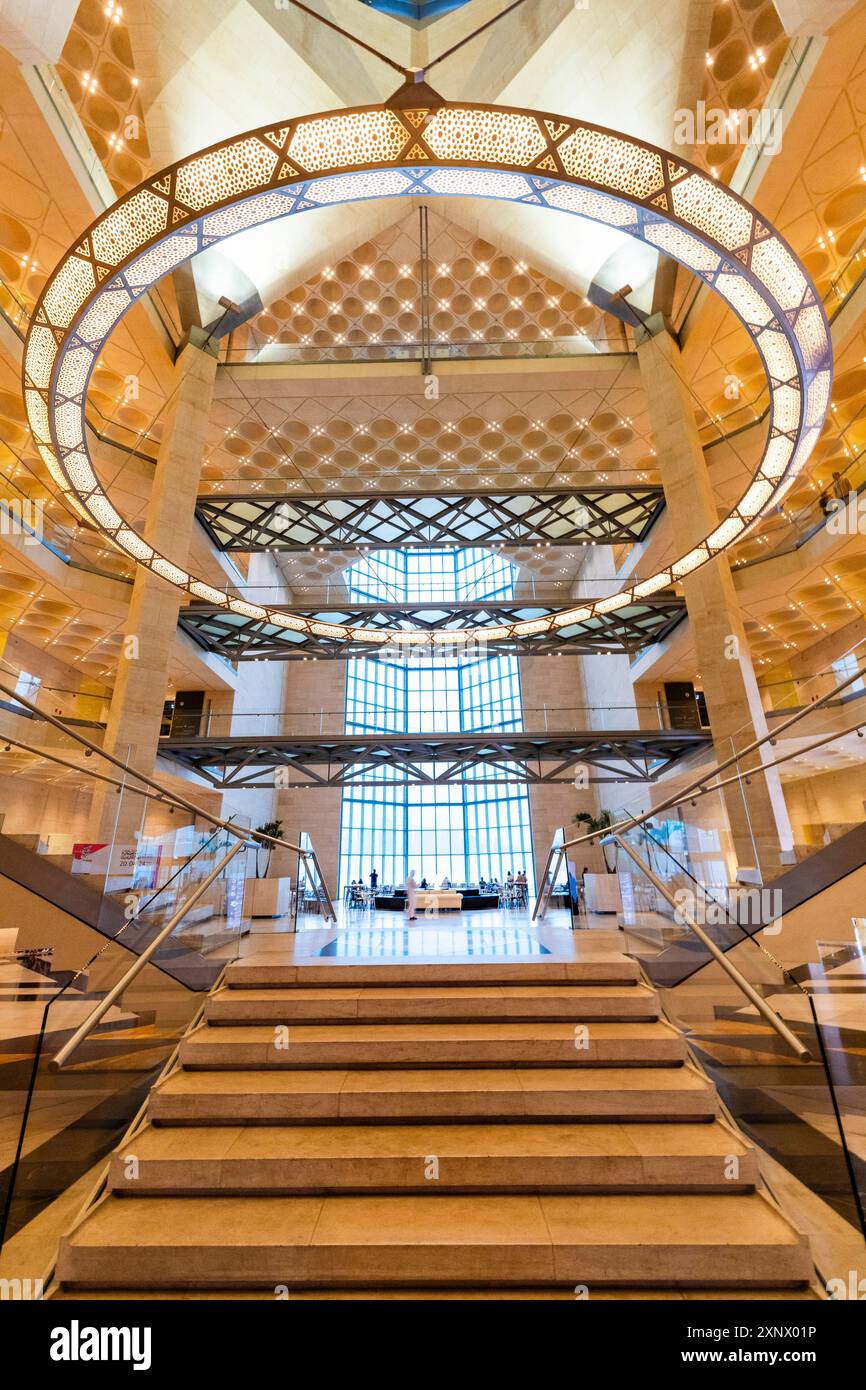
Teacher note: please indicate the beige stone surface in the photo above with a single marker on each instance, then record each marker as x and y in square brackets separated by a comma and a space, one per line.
[478, 1152]
[468, 1157]
[682, 1240]
[575, 1002]
[273, 1097]
[277, 968]
[412, 1044]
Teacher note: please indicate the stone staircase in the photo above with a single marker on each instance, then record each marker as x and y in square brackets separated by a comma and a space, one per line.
[510, 1129]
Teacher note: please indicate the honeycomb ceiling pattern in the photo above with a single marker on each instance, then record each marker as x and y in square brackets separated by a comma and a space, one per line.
[481, 433]
[371, 300]
[48, 619]
[98, 71]
[473, 437]
[746, 46]
[819, 602]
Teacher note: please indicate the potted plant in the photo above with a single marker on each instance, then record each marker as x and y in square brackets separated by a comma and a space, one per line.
[274, 828]
[603, 821]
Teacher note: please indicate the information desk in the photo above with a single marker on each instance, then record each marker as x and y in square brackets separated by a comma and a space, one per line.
[439, 899]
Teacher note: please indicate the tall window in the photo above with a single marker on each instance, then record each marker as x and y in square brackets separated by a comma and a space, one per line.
[477, 827]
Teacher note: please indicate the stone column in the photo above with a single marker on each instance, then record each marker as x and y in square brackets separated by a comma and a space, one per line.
[553, 690]
[142, 674]
[760, 828]
[314, 703]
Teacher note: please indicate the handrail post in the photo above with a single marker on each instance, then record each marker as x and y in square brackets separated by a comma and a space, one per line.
[770, 1015]
[141, 961]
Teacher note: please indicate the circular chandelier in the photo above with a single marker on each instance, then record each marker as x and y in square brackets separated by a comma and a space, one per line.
[419, 145]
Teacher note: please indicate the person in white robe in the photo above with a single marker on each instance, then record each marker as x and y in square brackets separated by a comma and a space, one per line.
[411, 896]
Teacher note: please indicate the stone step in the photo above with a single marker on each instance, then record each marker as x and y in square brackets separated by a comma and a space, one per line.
[258, 972]
[415, 1295]
[433, 1045]
[416, 1003]
[324, 1159]
[315, 1097]
[736, 1240]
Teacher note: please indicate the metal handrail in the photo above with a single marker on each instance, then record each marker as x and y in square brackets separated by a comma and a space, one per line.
[699, 788]
[134, 1126]
[776, 1023]
[70, 1046]
[163, 793]
[705, 791]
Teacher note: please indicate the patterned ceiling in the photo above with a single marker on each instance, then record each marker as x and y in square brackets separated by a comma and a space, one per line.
[819, 201]
[746, 47]
[371, 300]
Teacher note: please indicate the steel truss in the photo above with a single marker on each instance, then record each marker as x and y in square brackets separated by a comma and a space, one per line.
[631, 755]
[602, 515]
[239, 638]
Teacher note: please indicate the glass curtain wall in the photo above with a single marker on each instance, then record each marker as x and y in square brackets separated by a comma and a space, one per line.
[478, 827]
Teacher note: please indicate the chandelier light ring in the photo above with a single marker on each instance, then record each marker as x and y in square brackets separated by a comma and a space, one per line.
[432, 149]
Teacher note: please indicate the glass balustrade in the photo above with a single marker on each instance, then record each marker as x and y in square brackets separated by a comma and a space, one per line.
[808, 1116]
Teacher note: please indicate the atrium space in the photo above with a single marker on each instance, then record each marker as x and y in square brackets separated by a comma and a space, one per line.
[433, 661]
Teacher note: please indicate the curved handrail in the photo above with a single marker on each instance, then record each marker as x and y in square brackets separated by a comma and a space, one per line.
[698, 788]
[142, 958]
[755, 999]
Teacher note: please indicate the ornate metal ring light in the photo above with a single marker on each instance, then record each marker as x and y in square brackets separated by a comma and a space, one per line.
[420, 145]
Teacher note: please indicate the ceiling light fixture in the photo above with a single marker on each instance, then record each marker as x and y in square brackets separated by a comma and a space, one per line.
[419, 145]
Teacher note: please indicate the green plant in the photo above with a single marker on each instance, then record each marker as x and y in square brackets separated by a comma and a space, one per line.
[595, 824]
[274, 828]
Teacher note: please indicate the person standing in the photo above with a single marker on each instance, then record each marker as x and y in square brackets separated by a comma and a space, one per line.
[411, 895]
[374, 879]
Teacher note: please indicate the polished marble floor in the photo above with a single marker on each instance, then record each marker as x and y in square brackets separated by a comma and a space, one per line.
[453, 936]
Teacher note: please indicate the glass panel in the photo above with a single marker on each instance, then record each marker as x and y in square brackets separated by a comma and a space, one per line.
[808, 1115]
[310, 902]
[562, 886]
[66, 1120]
